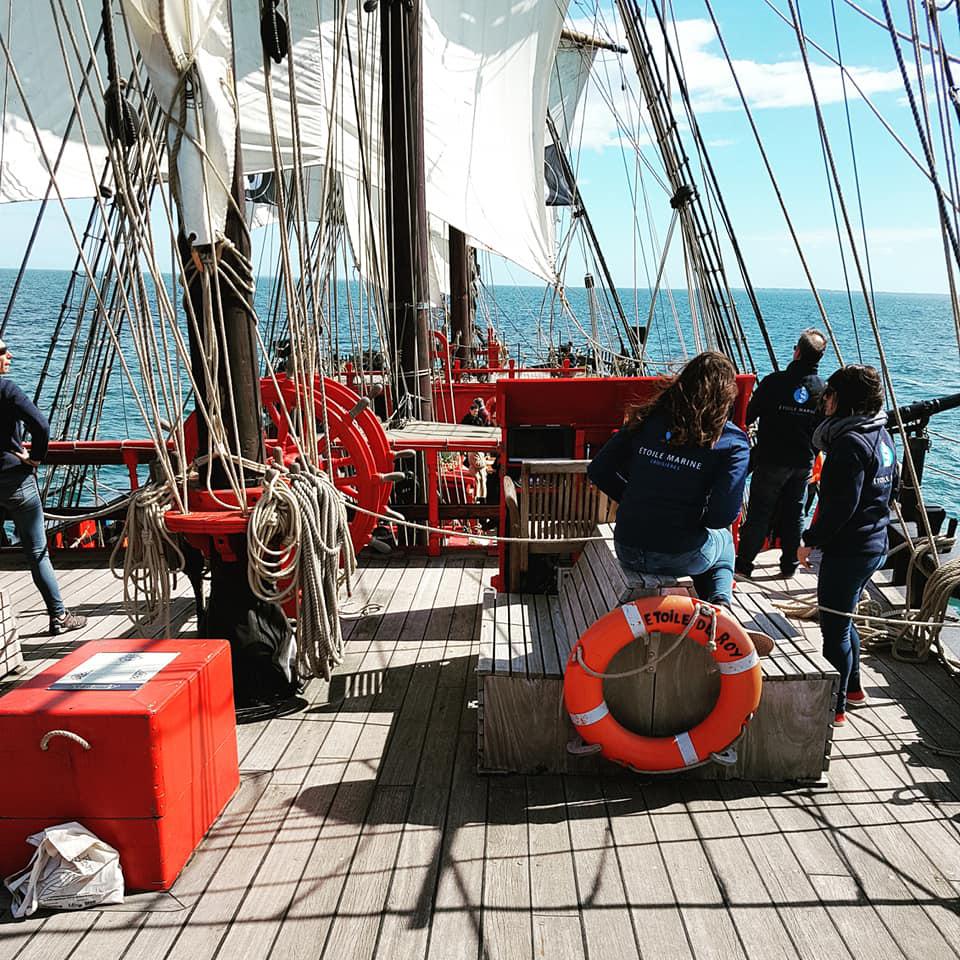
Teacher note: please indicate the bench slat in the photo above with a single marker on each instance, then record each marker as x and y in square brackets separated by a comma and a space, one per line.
[486, 654]
[548, 643]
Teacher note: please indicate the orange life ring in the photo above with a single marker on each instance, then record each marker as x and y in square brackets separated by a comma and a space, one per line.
[733, 652]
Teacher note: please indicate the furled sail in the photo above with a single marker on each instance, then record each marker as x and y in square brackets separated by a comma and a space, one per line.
[187, 51]
[568, 84]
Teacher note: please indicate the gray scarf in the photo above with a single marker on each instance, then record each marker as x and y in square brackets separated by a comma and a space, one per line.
[833, 428]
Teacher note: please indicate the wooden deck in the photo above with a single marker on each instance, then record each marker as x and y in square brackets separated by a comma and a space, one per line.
[361, 828]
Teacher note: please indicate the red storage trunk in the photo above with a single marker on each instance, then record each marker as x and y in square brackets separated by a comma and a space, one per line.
[135, 739]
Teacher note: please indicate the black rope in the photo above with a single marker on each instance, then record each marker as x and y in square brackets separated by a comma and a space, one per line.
[721, 205]
[924, 142]
[833, 200]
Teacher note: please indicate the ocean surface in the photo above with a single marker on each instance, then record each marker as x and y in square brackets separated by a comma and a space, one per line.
[917, 333]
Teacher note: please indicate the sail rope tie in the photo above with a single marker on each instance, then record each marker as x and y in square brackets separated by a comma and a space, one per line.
[148, 558]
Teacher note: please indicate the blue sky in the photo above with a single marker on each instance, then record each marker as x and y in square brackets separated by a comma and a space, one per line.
[900, 211]
[899, 208]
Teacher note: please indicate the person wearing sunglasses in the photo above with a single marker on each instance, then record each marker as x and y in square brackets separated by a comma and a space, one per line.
[860, 480]
[20, 494]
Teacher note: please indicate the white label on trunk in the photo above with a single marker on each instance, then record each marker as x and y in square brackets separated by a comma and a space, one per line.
[114, 671]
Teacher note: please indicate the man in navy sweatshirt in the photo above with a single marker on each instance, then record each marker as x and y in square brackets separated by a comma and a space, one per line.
[20, 495]
[787, 405]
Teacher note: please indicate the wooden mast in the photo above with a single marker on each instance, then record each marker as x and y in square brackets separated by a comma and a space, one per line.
[461, 300]
[408, 307]
[238, 375]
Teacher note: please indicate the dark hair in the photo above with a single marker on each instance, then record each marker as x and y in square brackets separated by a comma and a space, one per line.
[858, 389]
[812, 344]
[696, 402]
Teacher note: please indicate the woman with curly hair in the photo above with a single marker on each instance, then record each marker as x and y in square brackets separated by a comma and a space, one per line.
[677, 469]
[860, 480]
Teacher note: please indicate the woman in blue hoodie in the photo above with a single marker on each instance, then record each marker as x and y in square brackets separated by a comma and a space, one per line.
[677, 469]
[860, 480]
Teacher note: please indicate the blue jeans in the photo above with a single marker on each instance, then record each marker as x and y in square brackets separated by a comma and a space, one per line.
[839, 584]
[776, 499]
[710, 566]
[20, 497]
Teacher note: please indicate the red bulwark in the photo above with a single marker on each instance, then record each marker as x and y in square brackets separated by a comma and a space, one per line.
[161, 763]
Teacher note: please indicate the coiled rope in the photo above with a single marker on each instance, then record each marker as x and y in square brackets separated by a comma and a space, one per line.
[149, 553]
[911, 633]
[299, 544]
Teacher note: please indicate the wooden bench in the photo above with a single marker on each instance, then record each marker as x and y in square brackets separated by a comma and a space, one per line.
[555, 505]
[525, 642]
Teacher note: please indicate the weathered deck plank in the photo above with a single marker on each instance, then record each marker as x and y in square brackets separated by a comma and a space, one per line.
[361, 828]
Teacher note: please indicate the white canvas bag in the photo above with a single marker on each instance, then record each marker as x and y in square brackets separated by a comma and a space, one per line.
[71, 869]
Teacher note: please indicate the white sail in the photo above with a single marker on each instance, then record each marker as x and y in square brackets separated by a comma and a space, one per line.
[49, 83]
[568, 84]
[486, 72]
[486, 77]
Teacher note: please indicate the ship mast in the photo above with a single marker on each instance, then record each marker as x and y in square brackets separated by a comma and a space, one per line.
[238, 381]
[408, 310]
[461, 301]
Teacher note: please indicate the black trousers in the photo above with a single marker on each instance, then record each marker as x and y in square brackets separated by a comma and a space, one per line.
[776, 499]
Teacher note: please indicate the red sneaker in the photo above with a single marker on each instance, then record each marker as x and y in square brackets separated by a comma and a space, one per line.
[839, 720]
[857, 699]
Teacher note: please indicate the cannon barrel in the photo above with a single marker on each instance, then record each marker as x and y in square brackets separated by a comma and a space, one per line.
[923, 409]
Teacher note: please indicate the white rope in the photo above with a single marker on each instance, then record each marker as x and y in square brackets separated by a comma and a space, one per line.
[807, 611]
[297, 536]
[493, 538]
[650, 666]
[148, 558]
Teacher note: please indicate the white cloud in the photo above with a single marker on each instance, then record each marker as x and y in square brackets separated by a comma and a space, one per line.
[779, 84]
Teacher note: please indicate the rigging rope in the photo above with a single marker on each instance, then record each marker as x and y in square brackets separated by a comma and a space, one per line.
[148, 554]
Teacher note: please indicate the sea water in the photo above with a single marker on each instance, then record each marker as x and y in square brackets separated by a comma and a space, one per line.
[917, 333]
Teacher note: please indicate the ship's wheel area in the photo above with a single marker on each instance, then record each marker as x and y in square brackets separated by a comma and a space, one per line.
[351, 446]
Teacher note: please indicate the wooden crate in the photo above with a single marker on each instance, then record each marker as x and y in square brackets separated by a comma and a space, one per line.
[11, 659]
[526, 639]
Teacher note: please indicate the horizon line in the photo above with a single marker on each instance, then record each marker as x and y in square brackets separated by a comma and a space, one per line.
[567, 286]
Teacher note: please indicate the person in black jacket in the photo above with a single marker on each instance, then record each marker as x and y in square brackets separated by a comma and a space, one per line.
[860, 480]
[20, 495]
[787, 406]
[677, 470]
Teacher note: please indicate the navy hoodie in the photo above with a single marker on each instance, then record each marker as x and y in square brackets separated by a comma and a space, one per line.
[860, 480]
[17, 412]
[669, 496]
[786, 403]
